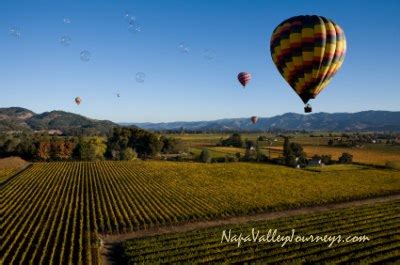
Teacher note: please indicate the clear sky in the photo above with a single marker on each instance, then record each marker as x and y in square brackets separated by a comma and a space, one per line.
[39, 73]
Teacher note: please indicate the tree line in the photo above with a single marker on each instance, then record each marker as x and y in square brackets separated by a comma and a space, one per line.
[122, 144]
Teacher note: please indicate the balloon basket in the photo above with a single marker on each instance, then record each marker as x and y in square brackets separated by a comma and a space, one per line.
[307, 109]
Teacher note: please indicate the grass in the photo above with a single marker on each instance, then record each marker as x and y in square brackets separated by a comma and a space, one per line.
[378, 222]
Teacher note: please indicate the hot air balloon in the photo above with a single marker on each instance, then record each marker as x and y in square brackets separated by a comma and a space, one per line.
[308, 51]
[78, 100]
[254, 119]
[244, 78]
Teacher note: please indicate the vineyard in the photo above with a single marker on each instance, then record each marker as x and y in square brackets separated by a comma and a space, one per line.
[53, 212]
[379, 222]
[6, 173]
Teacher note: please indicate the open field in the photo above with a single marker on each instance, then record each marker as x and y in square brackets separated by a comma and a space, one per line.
[379, 222]
[204, 139]
[374, 154]
[367, 155]
[54, 211]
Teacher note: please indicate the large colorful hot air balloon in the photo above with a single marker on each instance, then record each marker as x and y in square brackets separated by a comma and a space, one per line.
[308, 51]
[254, 119]
[244, 78]
[78, 100]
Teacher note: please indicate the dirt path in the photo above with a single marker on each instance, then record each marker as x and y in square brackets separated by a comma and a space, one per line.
[108, 241]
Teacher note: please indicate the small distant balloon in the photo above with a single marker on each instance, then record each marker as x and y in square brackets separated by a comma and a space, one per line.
[254, 119]
[128, 16]
[209, 54]
[85, 56]
[65, 40]
[131, 20]
[14, 32]
[140, 77]
[183, 47]
[118, 95]
[134, 27]
[78, 101]
[244, 78]
[66, 20]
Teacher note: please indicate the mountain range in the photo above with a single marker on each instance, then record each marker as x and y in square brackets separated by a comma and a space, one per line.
[359, 121]
[61, 122]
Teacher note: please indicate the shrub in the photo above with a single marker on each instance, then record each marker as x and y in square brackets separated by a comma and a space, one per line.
[128, 154]
[325, 159]
[393, 165]
[238, 155]
[346, 158]
[205, 156]
[234, 140]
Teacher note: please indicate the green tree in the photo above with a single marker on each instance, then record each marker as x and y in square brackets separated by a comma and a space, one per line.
[128, 154]
[172, 145]
[91, 149]
[346, 158]
[234, 140]
[205, 156]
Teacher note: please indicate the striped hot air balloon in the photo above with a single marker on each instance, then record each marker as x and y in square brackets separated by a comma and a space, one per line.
[78, 100]
[254, 119]
[244, 78]
[308, 51]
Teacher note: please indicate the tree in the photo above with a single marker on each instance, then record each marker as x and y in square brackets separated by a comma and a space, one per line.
[91, 149]
[234, 140]
[128, 154]
[295, 155]
[205, 156]
[172, 145]
[346, 158]
[286, 144]
[43, 150]
[249, 144]
[145, 144]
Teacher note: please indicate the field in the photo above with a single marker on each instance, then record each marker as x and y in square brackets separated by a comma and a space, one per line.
[379, 222]
[367, 155]
[6, 173]
[54, 212]
[373, 154]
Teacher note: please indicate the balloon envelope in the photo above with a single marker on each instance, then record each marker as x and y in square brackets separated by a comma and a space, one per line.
[244, 78]
[308, 51]
[254, 119]
[78, 100]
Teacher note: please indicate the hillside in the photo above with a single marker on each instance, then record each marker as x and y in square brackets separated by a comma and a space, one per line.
[20, 119]
[360, 121]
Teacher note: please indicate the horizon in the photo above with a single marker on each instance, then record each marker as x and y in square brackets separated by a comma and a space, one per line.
[187, 83]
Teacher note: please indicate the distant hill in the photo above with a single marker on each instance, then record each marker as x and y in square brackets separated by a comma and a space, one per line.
[360, 121]
[20, 119]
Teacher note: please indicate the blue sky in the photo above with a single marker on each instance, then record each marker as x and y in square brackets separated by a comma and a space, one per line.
[38, 73]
